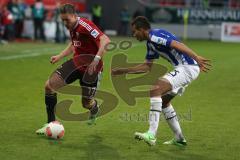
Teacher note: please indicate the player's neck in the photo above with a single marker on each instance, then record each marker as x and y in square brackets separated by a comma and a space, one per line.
[146, 34]
[74, 26]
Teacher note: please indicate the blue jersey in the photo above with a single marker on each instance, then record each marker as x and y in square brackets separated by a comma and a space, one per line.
[159, 46]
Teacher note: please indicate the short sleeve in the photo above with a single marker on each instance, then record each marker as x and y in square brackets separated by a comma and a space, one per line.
[91, 28]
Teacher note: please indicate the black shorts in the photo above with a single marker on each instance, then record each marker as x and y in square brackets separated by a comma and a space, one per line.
[70, 73]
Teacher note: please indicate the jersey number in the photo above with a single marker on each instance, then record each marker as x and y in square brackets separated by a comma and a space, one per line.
[174, 73]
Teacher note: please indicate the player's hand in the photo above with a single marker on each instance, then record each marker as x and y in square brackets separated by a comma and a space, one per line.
[92, 67]
[55, 59]
[203, 63]
[118, 71]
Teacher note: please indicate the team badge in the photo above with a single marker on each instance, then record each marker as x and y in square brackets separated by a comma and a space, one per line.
[94, 33]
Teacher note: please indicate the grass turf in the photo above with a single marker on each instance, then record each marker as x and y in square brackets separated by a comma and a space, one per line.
[208, 110]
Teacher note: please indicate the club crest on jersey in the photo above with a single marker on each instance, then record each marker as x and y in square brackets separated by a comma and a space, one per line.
[94, 33]
[76, 43]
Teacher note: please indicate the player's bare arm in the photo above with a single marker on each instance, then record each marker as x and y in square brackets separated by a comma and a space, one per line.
[67, 51]
[141, 68]
[104, 41]
[203, 63]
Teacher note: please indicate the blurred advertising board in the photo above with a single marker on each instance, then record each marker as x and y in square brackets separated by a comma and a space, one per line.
[230, 32]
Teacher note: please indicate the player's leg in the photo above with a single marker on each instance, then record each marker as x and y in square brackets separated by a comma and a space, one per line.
[90, 103]
[181, 76]
[62, 76]
[89, 86]
[52, 84]
[160, 88]
[172, 120]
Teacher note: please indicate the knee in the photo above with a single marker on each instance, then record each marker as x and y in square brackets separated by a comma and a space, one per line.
[88, 103]
[161, 88]
[155, 91]
[48, 88]
[54, 82]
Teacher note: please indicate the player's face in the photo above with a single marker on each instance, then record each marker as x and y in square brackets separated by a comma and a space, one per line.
[139, 34]
[69, 20]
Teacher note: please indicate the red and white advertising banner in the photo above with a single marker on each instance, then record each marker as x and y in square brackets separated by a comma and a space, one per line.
[230, 32]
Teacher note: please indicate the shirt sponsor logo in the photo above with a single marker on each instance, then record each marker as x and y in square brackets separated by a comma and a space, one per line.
[76, 43]
[162, 41]
[159, 40]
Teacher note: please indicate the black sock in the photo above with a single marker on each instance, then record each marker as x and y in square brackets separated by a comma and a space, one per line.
[94, 109]
[51, 101]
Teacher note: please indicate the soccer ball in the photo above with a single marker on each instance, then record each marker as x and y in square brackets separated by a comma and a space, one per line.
[55, 130]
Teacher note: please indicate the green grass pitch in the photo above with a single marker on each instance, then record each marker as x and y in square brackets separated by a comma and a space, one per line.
[209, 110]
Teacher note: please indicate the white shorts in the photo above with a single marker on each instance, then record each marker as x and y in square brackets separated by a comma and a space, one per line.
[181, 77]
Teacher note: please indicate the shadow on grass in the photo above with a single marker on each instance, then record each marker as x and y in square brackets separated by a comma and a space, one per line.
[51, 141]
[176, 152]
[96, 149]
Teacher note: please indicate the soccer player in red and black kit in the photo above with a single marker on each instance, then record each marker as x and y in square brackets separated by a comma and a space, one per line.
[88, 44]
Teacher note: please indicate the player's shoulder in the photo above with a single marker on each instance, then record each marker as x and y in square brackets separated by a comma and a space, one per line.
[84, 20]
[83, 24]
[160, 33]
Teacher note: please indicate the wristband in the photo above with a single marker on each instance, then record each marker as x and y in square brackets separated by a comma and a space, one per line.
[97, 58]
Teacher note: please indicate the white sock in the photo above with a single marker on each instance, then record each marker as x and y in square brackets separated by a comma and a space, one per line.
[154, 114]
[173, 122]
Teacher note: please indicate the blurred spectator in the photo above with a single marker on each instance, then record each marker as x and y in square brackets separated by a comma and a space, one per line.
[60, 32]
[216, 3]
[1, 26]
[124, 21]
[226, 3]
[28, 12]
[38, 20]
[7, 24]
[97, 15]
[198, 3]
[188, 3]
[22, 7]
[17, 9]
[206, 3]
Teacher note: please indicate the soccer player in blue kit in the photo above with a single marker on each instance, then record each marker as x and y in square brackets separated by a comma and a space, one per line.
[187, 66]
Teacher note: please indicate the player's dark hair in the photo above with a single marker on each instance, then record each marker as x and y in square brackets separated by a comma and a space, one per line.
[141, 22]
[67, 8]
